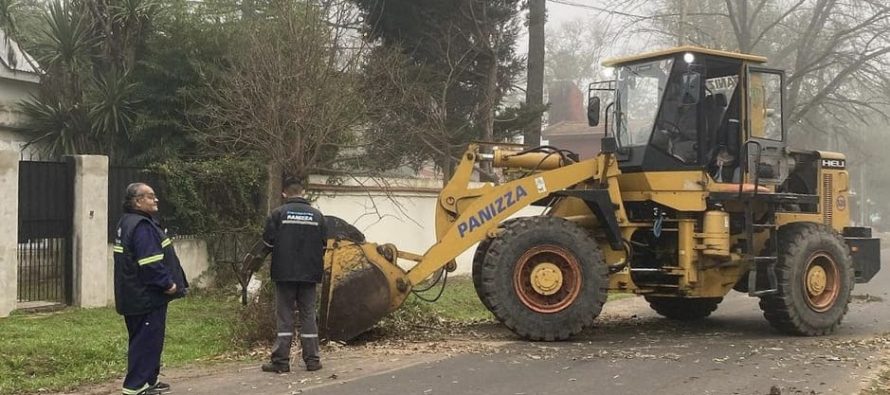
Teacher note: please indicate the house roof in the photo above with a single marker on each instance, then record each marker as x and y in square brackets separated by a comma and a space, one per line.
[17, 65]
[568, 128]
[685, 48]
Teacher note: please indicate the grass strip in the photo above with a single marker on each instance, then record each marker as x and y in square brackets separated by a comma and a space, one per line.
[63, 350]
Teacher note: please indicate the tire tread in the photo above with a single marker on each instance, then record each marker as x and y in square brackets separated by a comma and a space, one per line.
[783, 311]
[487, 272]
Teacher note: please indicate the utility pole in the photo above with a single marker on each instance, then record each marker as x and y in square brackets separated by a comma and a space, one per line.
[862, 200]
[534, 93]
[681, 26]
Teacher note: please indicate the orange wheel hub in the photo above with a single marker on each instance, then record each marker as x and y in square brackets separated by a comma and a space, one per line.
[821, 282]
[547, 278]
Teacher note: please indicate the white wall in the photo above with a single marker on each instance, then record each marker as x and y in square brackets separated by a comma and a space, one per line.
[9, 210]
[90, 229]
[11, 93]
[405, 219]
[192, 255]
[195, 260]
[10, 141]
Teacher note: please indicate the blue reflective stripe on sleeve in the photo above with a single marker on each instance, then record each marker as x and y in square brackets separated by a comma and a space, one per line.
[166, 243]
[151, 259]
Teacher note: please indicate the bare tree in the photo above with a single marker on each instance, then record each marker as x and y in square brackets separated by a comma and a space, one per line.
[457, 61]
[413, 121]
[493, 30]
[574, 50]
[290, 93]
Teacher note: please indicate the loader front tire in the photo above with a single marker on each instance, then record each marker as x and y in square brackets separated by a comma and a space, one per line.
[544, 277]
[815, 280]
[479, 259]
[683, 309]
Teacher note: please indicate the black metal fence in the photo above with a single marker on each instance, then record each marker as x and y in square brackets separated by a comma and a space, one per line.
[44, 251]
[227, 249]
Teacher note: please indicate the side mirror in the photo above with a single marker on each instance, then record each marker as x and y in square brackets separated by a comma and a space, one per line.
[593, 111]
[691, 81]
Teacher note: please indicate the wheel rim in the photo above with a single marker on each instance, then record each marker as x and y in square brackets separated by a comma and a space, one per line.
[547, 278]
[821, 282]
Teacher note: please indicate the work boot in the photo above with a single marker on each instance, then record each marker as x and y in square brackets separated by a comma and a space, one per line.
[147, 391]
[312, 366]
[161, 387]
[275, 367]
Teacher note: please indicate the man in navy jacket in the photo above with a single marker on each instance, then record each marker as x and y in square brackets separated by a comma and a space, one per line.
[147, 276]
[296, 234]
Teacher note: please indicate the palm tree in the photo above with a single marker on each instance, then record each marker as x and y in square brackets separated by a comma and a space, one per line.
[88, 101]
[57, 116]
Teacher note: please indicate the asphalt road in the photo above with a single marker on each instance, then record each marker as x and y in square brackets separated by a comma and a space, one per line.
[630, 351]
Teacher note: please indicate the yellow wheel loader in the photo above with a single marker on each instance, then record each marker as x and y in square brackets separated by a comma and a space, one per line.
[694, 194]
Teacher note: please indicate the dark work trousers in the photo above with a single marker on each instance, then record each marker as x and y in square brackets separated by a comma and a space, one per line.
[144, 353]
[286, 294]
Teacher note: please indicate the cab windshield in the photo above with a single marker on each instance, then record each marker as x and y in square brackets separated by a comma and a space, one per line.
[639, 91]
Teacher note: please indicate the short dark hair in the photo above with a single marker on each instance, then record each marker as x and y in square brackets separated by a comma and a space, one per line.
[292, 186]
[130, 196]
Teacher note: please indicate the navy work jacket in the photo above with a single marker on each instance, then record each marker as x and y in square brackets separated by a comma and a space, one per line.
[296, 234]
[145, 265]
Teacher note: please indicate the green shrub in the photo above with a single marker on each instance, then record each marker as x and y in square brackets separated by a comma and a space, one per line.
[257, 323]
[212, 196]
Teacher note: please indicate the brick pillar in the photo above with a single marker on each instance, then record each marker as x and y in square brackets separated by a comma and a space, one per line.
[90, 219]
[9, 217]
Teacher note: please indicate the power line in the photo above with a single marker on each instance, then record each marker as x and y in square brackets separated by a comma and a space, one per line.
[634, 16]
[573, 4]
[599, 9]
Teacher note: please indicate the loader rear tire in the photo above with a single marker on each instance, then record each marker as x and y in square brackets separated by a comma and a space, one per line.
[815, 280]
[683, 309]
[544, 277]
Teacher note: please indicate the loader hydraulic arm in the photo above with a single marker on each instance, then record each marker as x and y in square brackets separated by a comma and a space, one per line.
[465, 215]
[363, 281]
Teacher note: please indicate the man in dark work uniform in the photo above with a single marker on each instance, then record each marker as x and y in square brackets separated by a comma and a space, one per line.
[296, 234]
[147, 276]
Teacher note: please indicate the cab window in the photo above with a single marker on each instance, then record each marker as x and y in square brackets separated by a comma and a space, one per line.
[765, 105]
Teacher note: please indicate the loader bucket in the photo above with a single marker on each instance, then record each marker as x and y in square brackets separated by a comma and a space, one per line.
[360, 287]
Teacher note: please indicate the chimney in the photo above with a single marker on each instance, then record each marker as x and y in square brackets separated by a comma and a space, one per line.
[566, 103]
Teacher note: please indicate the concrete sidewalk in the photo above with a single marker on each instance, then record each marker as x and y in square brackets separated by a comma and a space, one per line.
[338, 369]
[341, 365]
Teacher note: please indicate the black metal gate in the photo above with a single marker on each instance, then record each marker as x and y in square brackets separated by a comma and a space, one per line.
[45, 262]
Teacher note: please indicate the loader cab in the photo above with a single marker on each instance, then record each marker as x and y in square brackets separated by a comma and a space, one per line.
[691, 108]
